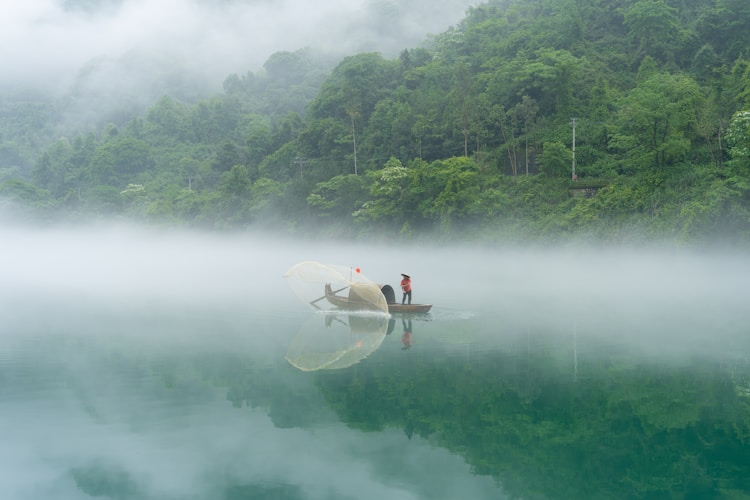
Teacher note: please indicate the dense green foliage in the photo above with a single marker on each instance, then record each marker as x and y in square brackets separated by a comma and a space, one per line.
[469, 135]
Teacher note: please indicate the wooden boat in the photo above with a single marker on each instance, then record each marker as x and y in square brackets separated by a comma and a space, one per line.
[352, 302]
[409, 308]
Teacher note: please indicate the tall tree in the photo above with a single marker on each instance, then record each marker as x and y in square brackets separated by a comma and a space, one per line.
[657, 120]
[526, 111]
[654, 26]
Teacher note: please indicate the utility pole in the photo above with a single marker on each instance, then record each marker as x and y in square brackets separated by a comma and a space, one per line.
[573, 172]
[299, 161]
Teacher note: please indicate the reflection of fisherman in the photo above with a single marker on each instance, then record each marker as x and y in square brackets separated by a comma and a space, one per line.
[406, 337]
[406, 287]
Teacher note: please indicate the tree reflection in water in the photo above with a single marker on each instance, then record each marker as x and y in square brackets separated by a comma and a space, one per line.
[532, 418]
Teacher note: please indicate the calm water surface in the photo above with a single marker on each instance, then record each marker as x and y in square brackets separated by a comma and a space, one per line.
[143, 367]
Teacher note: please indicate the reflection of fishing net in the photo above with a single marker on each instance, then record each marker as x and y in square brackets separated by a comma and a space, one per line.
[326, 286]
[341, 341]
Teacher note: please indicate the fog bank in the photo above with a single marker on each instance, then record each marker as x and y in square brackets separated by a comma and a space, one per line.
[129, 262]
[47, 43]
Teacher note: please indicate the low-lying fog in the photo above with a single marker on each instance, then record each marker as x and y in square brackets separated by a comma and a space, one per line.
[113, 376]
[133, 268]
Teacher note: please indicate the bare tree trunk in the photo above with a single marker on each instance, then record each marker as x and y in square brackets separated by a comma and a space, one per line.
[354, 141]
[509, 146]
[526, 147]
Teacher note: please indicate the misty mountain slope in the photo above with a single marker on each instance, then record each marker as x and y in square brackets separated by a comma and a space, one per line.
[101, 61]
[525, 121]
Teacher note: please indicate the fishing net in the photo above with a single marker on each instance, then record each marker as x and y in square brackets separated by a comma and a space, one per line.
[327, 286]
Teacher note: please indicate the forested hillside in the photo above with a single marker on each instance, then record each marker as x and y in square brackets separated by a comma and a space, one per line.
[615, 120]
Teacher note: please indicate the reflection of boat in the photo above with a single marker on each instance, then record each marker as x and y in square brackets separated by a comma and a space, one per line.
[354, 302]
[344, 339]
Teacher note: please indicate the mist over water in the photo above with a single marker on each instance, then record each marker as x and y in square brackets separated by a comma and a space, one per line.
[132, 268]
[125, 351]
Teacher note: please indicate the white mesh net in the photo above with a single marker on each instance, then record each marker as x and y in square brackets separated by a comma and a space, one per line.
[336, 341]
[326, 286]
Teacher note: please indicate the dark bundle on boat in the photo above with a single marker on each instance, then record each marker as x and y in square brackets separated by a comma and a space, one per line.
[390, 295]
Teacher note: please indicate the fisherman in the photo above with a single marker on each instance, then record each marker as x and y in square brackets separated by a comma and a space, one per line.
[406, 287]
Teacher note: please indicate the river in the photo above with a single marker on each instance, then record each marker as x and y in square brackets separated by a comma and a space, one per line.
[138, 364]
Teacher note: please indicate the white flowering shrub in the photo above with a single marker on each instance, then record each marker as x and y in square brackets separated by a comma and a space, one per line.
[738, 135]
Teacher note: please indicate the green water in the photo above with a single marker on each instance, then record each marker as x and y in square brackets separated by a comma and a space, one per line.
[199, 404]
[530, 392]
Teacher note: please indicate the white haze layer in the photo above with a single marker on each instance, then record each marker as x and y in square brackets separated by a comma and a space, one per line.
[54, 283]
[47, 43]
[82, 388]
[135, 268]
